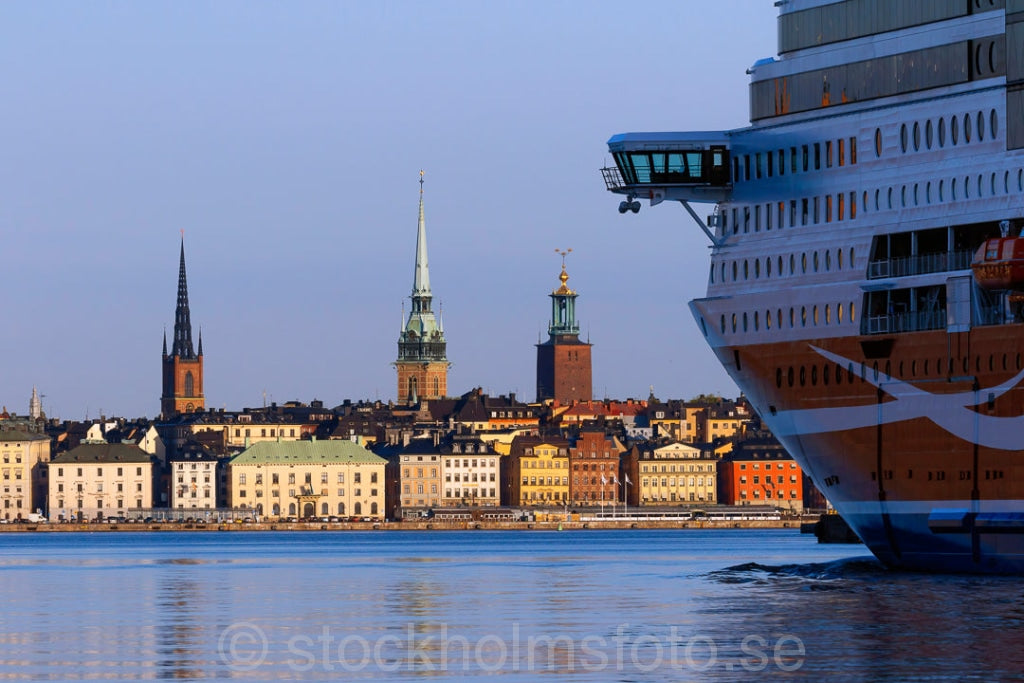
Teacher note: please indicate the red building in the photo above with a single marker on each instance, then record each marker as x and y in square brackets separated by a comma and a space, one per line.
[761, 472]
[563, 361]
[594, 469]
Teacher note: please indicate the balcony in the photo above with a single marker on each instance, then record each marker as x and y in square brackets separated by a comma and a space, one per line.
[921, 264]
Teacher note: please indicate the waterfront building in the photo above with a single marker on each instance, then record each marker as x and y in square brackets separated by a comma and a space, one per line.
[308, 479]
[759, 471]
[671, 474]
[563, 361]
[471, 470]
[183, 367]
[97, 480]
[422, 363]
[537, 472]
[419, 473]
[594, 465]
[23, 458]
[194, 474]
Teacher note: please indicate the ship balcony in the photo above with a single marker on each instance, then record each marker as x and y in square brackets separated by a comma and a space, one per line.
[921, 264]
[678, 166]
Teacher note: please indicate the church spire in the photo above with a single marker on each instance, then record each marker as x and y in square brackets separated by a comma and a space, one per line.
[182, 320]
[421, 279]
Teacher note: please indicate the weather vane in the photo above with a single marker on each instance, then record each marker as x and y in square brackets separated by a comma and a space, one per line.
[563, 252]
[421, 181]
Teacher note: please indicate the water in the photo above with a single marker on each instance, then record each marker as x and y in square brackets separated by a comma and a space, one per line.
[559, 606]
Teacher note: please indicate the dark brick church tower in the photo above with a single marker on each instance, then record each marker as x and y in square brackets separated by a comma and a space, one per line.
[183, 368]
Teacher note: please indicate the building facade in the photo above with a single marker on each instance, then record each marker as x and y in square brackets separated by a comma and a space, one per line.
[193, 472]
[422, 364]
[471, 471]
[23, 459]
[672, 474]
[538, 472]
[563, 361]
[308, 479]
[420, 474]
[594, 464]
[761, 472]
[183, 367]
[99, 480]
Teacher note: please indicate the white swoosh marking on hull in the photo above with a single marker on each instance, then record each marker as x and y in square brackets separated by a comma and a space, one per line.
[950, 412]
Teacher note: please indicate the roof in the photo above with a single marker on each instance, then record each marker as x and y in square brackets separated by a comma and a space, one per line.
[305, 452]
[103, 453]
[17, 435]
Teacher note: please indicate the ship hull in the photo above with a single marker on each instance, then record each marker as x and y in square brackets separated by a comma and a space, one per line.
[920, 451]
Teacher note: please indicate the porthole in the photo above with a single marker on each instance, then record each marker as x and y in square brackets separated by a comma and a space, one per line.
[917, 136]
[757, 321]
[942, 191]
[768, 267]
[744, 321]
[878, 142]
[942, 132]
[851, 257]
[778, 377]
[792, 265]
[864, 201]
[723, 323]
[839, 313]
[993, 122]
[874, 370]
[814, 375]
[792, 318]
[814, 313]
[925, 367]
[803, 262]
[803, 376]
[734, 323]
[928, 134]
[903, 197]
[757, 269]
[890, 198]
[952, 189]
[778, 318]
[781, 271]
[1006, 182]
[913, 368]
[967, 128]
[853, 316]
[839, 259]
[803, 316]
[828, 261]
[1020, 180]
[767, 320]
[981, 126]
[828, 314]
[888, 369]
[992, 54]
[903, 138]
[711, 277]
[723, 271]
[965, 364]
[979, 185]
[789, 376]
[877, 193]
[814, 260]
[967, 187]
[735, 271]
[915, 194]
[954, 130]
[901, 369]
[992, 182]
[849, 372]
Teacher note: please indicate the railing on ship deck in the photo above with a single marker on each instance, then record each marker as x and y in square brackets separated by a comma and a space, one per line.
[920, 265]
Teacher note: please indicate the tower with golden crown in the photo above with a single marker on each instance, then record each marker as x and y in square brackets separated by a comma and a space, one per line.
[422, 363]
[563, 361]
[183, 367]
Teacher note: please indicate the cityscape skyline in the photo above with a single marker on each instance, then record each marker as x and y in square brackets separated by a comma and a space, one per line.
[134, 122]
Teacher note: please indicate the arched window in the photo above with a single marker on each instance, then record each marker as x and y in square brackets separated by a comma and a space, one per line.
[412, 388]
[358, 508]
[189, 384]
[291, 509]
[341, 508]
[373, 508]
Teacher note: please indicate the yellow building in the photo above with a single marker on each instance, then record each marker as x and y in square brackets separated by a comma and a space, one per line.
[23, 458]
[674, 474]
[539, 472]
[307, 479]
[99, 480]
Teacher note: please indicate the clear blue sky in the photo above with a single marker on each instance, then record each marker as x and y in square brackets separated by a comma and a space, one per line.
[286, 139]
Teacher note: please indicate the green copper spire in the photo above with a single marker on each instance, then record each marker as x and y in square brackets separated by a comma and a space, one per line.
[422, 338]
[563, 305]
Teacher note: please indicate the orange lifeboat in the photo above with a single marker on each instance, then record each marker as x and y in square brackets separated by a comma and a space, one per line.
[999, 263]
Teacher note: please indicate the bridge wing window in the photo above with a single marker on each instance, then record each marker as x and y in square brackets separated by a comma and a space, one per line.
[674, 167]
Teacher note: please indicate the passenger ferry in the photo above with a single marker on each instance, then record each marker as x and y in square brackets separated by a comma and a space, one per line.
[866, 281]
